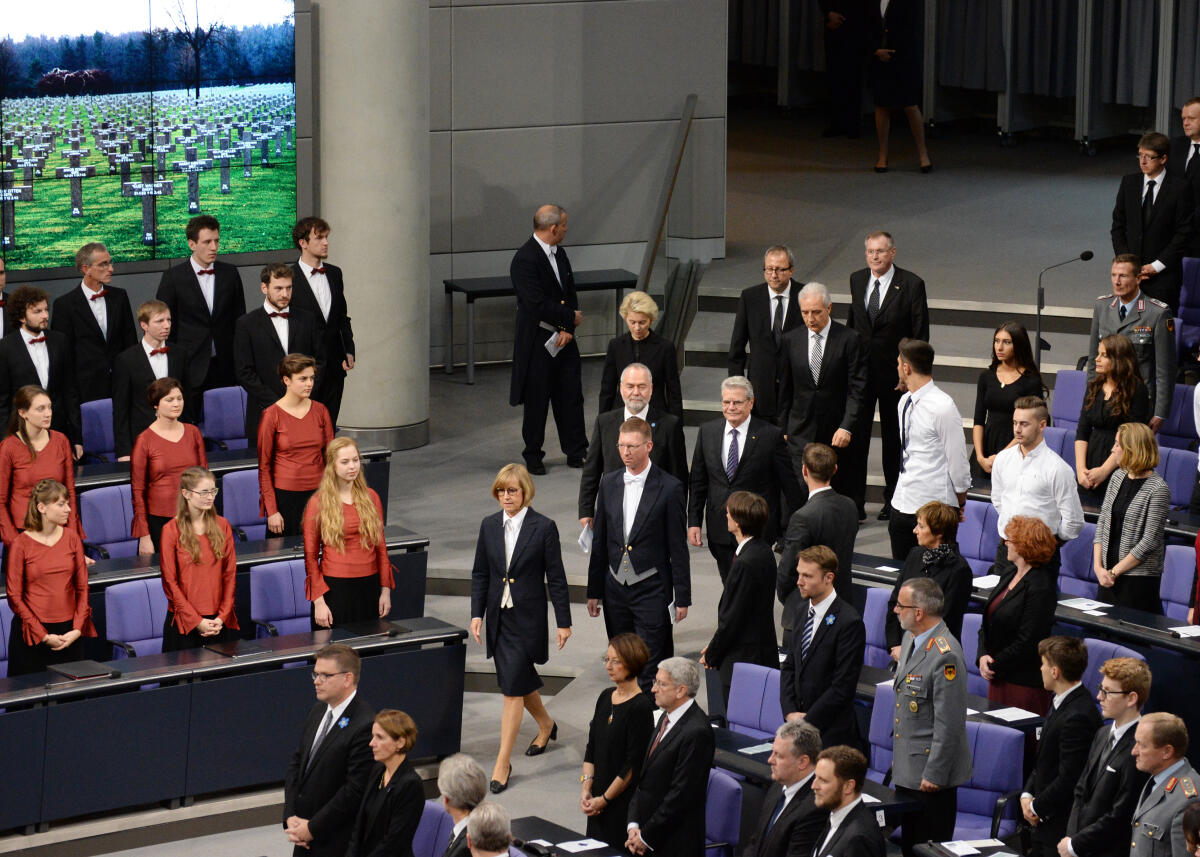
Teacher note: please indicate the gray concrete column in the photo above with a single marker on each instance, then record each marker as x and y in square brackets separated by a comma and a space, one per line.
[372, 167]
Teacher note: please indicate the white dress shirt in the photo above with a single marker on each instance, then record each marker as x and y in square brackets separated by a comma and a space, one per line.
[319, 284]
[208, 286]
[738, 550]
[1039, 484]
[838, 815]
[786, 294]
[884, 282]
[338, 711]
[280, 324]
[741, 441]
[789, 792]
[39, 354]
[158, 362]
[512, 531]
[934, 463]
[819, 610]
[551, 250]
[1158, 183]
[635, 483]
[99, 310]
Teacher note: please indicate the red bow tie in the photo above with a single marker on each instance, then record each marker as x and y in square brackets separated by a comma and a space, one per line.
[209, 272]
[318, 270]
[98, 295]
[278, 314]
[1, 303]
[38, 339]
[154, 351]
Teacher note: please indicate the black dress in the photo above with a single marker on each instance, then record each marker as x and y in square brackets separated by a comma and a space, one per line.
[994, 404]
[617, 740]
[658, 355]
[897, 82]
[1098, 426]
[388, 815]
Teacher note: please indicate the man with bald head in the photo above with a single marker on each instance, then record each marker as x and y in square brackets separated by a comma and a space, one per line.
[546, 369]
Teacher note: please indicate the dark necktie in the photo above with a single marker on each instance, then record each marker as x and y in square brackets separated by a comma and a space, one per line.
[1193, 164]
[806, 639]
[326, 722]
[662, 728]
[731, 462]
[1146, 789]
[873, 303]
[98, 295]
[774, 817]
[1148, 203]
[1121, 312]
[777, 320]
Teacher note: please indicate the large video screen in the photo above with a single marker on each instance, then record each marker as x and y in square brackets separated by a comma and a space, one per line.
[122, 119]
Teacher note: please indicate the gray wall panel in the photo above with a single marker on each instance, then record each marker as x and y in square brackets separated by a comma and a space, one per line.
[439, 69]
[698, 206]
[440, 181]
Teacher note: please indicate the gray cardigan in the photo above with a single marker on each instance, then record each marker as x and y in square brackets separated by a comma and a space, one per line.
[1143, 534]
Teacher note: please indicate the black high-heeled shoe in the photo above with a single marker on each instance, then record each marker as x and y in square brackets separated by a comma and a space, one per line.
[495, 786]
[882, 169]
[535, 749]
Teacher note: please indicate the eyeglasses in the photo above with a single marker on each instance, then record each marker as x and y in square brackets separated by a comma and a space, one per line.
[611, 662]
[508, 490]
[881, 252]
[1105, 692]
[1142, 157]
[777, 270]
[320, 678]
[629, 447]
[662, 684]
[207, 492]
[906, 606]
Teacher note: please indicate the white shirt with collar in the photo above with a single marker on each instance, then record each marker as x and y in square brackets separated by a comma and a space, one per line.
[1191, 148]
[823, 333]
[459, 827]
[814, 492]
[641, 416]
[280, 324]
[835, 821]
[158, 362]
[772, 302]
[1158, 183]
[738, 550]
[338, 711]
[819, 610]
[934, 462]
[99, 310]
[1058, 698]
[1039, 484]
[551, 251]
[319, 284]
[742, 431]
[39, 354]
[789, 792]
[634, 485]
[511, 524]
[208, 282]
[884, 282]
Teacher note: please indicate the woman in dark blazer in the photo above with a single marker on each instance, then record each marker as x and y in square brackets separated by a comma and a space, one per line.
[936, 556]
[1115, 396]
[894, 72]
[1018, 615]
[745, 618]
[641, 345]
[393, 798]
[517, 557]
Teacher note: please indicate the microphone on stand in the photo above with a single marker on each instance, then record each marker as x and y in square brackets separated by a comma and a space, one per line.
[1039, 343]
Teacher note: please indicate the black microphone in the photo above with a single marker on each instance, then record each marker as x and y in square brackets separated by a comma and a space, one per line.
[1086, 256]
[1039, 344]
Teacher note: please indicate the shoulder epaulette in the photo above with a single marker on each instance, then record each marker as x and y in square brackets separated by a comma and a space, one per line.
[1189, 788]
[1157, 302]
[942, 645]
[1105, 297]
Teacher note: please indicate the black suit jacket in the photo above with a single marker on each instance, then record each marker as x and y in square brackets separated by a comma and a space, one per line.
[458, 846]
[745, 615]
[764, 466]
[657, 538]
[386, 828]
[328, 794]
[93, 354]
[1167, 236]
[257, 352]
[903, 313]
[193, 328]
[827, 518]
[858, 834]
[536, 566]
[656, 354]
[1178, 166]
[823, 684]
[132, 374]
[540, 298]
[668, 804]
[17, 370]
[334, 333]
[1106, 796]
[752, 327]
[795, 831]
[814, 412]
[1061, 755]
[953, 576]
[1020, 622]
[666, 433]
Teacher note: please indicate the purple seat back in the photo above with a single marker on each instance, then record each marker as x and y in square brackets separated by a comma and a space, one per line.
[989, 538]
[1179, 429]
[107, 517]
[1098, 652]
[277, 596]
[433, 830]
[225, 416]
[1188, 323]
[97, 418]
[971, 537]
[6, 616]
[1175, 590]
[754, 707]
[880, 733]
[997, 752]
[240, 498]
[1067, 399]
[875, 617]
[976, 683]
[1062, 441]
[722, 814]
[1075, 577]
[1178, 468]
[135, 612]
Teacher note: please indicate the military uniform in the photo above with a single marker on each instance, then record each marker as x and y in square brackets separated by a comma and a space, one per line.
[1158, 820]
[929, 735]
[1151, 328]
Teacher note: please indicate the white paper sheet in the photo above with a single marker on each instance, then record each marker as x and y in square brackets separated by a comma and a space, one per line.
[870, 798]
[581, 845]
[984, 843]
[585, 539]
[756, 748]
[886, 568]
[959, 847]
[552, 344]
[1187, 630]
[1084, 604]
[985, 581]
[971, 711]
[1011, 714]
[1095, 612]
[542, 842]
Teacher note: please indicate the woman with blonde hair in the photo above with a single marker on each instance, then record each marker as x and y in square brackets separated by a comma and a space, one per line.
[199, 567]
[641, 345]
[349, 575]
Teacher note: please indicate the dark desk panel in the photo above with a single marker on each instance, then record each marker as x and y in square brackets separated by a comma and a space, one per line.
[532, 827]
[22, 747]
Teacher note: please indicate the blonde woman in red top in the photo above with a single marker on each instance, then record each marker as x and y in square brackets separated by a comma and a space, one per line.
[47, 585]
[349, 574]
[292, 436]
[199, 567]
[30, 453]
[160, 454]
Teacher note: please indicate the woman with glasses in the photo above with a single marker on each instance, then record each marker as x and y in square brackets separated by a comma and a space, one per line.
[517, 558]
[160, 454]
[617, 739]
[199, 568]
[641, 345]
[1011, 376]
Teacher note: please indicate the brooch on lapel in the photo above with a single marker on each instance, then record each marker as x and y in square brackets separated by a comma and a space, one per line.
[829, 619]
[343, 723]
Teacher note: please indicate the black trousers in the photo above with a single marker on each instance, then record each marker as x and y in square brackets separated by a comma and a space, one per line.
[291, 505]
[554, 382]
[175, 640]
[220, 374]
[640, 609]
[844, 59]
[723, 554]
[901, 535]
[24, 659]
[330, 386]
[889, 429]
[156, 524]
[933, 822]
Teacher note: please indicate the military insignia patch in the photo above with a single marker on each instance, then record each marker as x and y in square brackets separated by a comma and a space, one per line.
[949, 672]
[1170, 325]
[1171, 783]
[1189, 788]
[942, 645]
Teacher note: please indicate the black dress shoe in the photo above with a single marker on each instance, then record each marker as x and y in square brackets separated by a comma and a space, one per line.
[495, 786]
[885, 514]
[535, 469]
[831, 131]
[927, 168]
[535, 749]
[575, 462]
[882, 169]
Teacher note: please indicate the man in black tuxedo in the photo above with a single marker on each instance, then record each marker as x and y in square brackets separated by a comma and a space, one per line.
[97, 321]
[827, 519]
[463, 786]
[6, 323]
[837, 787]
[547, 316]
[318, 289]
[736, 453]
[819, 676]
[267, 334]
[789, 820]
[1153, 219]
[887, 304]
[34, 354]
[1063, 746]
[666, 814]
[824, 382]
[666, 447]
[765, 313]
[1110, 784]
[139, 366]
[206, 299]
[639, 560]
[1184, 157]
[328, 773]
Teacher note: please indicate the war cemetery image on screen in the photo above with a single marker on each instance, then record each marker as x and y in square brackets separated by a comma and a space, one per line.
[121, 120]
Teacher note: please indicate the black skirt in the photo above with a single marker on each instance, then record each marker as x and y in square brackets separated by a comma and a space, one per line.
[24, 659]
[156, 524]
[1137, 591]
[291, 505]
[514, 663]
[351, 599]
[175, 641]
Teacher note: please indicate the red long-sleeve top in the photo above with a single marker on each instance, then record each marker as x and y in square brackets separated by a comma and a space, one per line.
[354, 560]
[198, 589]
[49, 583]
[20, 472]
[155, 467]
[291, 452]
